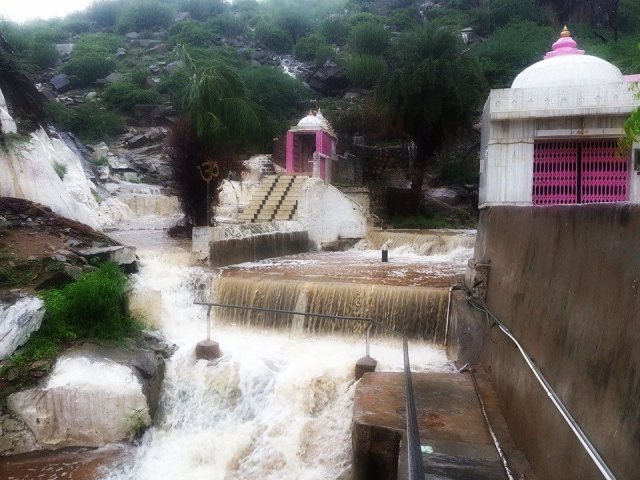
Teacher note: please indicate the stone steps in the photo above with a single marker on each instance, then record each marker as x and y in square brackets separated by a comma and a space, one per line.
[275, 198]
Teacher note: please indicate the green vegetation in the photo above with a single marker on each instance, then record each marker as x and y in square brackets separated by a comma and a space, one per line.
[369, 38]
[89, 122]
[92, 307]
[144, 15]
[365, 70]
[124, 96]
[276, 92]
[431, 94]
[273, 37]
[92, 58]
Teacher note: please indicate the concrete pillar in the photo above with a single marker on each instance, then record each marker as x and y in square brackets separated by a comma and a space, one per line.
[365, 365]
[207, 350]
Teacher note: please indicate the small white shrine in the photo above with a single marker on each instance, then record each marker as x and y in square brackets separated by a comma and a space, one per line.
[552, 138]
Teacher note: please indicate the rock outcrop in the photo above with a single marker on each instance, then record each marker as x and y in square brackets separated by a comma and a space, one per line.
[95, 395]
[18, 320]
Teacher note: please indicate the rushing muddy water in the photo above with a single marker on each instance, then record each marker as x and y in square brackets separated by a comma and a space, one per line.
[278, 404]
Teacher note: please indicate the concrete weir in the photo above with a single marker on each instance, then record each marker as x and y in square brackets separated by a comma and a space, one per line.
[456, 443]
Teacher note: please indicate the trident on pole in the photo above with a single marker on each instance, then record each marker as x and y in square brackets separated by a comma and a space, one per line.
[208, 171]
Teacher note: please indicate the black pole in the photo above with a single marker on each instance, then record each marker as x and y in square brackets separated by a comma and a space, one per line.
[385, 255]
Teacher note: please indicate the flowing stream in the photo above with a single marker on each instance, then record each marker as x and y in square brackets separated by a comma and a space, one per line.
[276, 405]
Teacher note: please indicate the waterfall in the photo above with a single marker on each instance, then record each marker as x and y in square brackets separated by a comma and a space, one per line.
[276, 405]
[420, 242]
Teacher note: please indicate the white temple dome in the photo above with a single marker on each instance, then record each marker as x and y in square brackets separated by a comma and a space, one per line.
[566, 66]
[311, 121]
[316, 121]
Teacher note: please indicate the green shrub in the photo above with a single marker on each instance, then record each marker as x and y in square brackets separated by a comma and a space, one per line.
[275, 91]
[89, 67]
[294, 19]
[139, 77]
[273, 37]
[201, 9]
[365, 70]
[307, 47]
[368, 38]
[175, 84]
[192, 33]
[93, 305]
[105, 13]
[144, 15]
[511, 49]
[335, 29]
[229, 25]
[125, 96]
[44, 55]
[88, 122]
[91, 57]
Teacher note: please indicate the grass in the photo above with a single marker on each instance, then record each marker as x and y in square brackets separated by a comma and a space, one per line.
[92, 307]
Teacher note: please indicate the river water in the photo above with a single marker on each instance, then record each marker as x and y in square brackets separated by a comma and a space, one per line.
[278, 403]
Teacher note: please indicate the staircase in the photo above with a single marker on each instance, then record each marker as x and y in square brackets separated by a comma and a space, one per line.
[276, 198]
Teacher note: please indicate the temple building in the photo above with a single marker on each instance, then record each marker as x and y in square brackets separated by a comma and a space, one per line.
[311, 147]
[552, 138]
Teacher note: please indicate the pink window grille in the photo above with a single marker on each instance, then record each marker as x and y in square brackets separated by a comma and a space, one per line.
[605, 173]
[555, 173]
[585, 171]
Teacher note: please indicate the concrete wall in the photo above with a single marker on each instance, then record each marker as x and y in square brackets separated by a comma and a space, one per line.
[566, 281]
[328, 214]
[257, 247]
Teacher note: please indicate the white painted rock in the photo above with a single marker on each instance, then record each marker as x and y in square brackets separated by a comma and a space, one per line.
[17, 322]
[86, 402]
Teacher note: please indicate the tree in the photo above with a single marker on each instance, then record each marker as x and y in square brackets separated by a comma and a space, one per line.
[430, 93]
[218, 123]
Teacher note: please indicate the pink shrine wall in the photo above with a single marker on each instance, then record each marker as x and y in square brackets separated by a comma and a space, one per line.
[325, 145]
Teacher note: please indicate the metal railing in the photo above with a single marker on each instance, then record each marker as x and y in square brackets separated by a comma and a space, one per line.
[415, 470]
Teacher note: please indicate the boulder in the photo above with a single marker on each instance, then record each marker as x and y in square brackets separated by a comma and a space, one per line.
[329, 78]
[91, 96]
[64, 49]
[101, 150]
[131, 36]
[137, 141]
[86, 401]
[60, 82]
[119, 163]
[123, 256]
[18, 319]
[111, 78]
[121, 53]
[175, 65]
[147, 43]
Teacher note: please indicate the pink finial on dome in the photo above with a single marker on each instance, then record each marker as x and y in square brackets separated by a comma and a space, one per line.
[564, 46]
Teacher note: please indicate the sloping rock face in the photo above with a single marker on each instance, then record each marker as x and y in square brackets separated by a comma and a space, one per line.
[87, 401]
[18, 320]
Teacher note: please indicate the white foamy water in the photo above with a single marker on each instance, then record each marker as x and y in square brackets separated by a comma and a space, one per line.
[277, 405]
[85, 373]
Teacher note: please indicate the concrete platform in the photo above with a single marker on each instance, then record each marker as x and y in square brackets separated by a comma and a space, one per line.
[455, 440]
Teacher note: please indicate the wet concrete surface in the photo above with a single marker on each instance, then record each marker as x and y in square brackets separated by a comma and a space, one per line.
[362, 267]
[455, 440]
[67, 464]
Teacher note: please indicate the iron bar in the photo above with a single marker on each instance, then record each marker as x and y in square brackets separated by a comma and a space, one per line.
[415, 467]
[553, 396]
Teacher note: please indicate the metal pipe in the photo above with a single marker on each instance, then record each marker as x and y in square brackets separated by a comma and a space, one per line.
[367, 335]
[501, 453]
[209, 323]
[414, 452]
[577, 430]
[414, 449]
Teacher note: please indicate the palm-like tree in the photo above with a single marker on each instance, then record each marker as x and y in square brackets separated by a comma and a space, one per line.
[217, 124]
[430, 93]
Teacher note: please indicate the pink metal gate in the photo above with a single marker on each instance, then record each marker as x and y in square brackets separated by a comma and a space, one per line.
[585, 171]
[605, 174]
